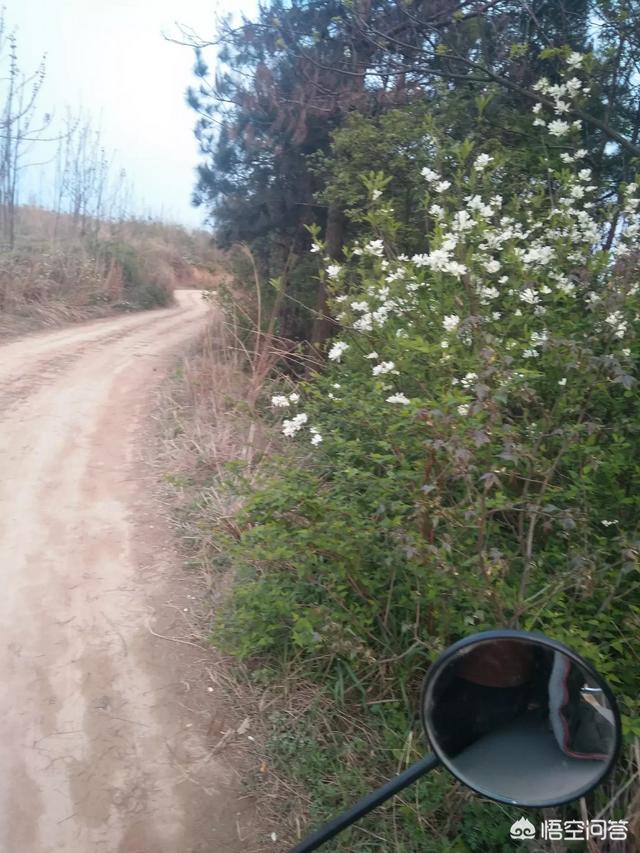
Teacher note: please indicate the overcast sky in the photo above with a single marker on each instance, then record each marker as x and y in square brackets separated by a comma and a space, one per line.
[109, 58]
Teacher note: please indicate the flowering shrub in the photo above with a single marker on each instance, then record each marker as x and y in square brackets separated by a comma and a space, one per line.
[466, 460]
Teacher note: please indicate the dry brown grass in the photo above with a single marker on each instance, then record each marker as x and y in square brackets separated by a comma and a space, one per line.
[208, 417]
[57, 273]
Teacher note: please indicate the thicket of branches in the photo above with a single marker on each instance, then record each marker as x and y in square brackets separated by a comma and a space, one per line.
[284, 82]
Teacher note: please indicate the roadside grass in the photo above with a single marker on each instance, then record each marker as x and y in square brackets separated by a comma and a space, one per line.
[315, 749]
[316, 745]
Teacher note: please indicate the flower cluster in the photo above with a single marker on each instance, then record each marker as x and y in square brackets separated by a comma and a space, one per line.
[487, 264]
[280, 401]
[562, 96]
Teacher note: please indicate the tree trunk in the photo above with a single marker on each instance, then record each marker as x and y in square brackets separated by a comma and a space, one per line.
[334, 238]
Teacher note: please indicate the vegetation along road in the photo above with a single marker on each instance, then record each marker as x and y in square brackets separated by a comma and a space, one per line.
[96, 750]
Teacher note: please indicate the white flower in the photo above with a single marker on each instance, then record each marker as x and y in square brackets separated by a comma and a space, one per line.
[463, 409]
[486, 293]
[279, 401]
[462, 221]
[336, 351]
[566, 158]
[530, 353]
[451, 322]
[365, 323]
[573, 86]
[616, 319]
[536, 108]
[609, 523]
[538, 255]
[567, 287]
[294, 397]
[492, 266]
[360, 306]
[482, 161]
[584, 174]
[436, 211]
[316, 438]
[375, 196]
[372, 355]
[475, 202]
[575, 59]
[316, 247]
[538, 338]
[375, 247]
[559, 127]
[496, 315]
[429, 175]
[455, 268]
[580, 154]
[562, 381]
[468, 379]
[383, 367]
[631, 204]
[444, 344]
[398, 398]
[333, 270]
[558, 90]
[530, 296]
[441, 186]
[291, 427]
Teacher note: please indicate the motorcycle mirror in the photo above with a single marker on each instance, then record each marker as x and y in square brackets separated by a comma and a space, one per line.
[520, 718]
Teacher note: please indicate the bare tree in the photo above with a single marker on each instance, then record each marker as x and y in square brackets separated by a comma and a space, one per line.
[20, 127]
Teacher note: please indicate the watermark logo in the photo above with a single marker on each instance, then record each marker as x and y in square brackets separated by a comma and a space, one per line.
[571, 830]
[522, 828]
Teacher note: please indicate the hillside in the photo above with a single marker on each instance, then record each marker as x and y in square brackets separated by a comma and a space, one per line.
[61, 271]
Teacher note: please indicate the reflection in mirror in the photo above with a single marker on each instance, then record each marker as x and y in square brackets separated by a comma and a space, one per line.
[520, 721]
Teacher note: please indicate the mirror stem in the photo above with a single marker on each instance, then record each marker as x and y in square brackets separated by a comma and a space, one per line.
[367, 804]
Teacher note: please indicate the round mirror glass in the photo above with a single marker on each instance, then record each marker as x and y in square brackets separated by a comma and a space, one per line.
[520, 719]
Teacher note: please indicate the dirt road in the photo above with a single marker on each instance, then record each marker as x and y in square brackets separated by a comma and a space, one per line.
[98, 752]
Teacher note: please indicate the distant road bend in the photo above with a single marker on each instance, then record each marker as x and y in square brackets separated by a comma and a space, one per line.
[94, 756]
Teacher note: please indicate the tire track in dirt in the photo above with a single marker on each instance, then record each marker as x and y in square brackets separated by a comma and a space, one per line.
[97, 752]
[43, 365]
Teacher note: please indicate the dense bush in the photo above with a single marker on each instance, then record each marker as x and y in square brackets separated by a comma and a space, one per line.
[147, 280]
[468, 460]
